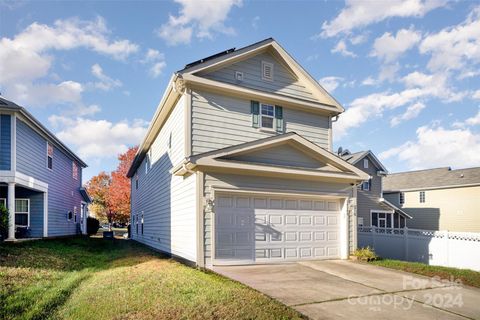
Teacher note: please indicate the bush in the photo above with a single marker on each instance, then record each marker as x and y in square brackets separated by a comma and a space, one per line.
[3, 222]
[92, 226]
[365, 254]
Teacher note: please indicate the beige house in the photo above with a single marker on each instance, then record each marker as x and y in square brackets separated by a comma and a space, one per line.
[237, 165]
[437, 199]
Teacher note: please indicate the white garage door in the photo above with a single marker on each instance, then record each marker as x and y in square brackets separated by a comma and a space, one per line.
[272, 229]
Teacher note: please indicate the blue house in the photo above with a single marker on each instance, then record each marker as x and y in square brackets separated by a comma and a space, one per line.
[40, 178]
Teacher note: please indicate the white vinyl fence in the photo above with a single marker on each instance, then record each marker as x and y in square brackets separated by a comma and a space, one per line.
[440, 248]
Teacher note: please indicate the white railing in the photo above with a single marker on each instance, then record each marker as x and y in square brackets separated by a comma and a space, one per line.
[443, 248]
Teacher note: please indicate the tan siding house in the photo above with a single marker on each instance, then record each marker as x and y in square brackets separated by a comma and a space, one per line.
[438, 199]
[237, 168]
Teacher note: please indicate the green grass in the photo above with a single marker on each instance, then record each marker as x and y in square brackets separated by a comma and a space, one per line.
[468, 277]
[103, 279]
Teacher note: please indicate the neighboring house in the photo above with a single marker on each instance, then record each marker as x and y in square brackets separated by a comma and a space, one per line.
[237, 168]
[437, 199]
[372, 208]
[40, 178]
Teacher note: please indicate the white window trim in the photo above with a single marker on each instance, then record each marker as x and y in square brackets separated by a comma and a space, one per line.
[74, 164]
[272, 129]
[265, 63]
[51, 169]
[28, 213]
[420, 197]
[390, 213]
[369, 185]
[75, 214]
[365, 163]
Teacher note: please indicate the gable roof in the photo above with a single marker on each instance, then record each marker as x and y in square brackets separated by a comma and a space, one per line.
[11, 106]
[354, 158]
[336, 167]
[233, 55]
[431, 179]
[393, 207]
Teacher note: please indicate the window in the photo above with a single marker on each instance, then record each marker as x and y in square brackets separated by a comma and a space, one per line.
[74, 170]
[382, 219]
[49, 156]
[142, 222]
[267, 116]
[136, 181]
[75, 214]
[401, 199]
[267, 71]
[136, 223]
[366, 185]
[365, 163]
[146, 165]
[22, 212]
[238, 76]
[69, 215]
[422, 196]
[3, 202]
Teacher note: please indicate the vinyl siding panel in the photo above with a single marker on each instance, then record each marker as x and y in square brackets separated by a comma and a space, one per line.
[453, 209]
[369, 200]
[284, 82]
[63, 190]
[219, 121]
[168, 202]
[246, 182]
[5, 142]
[284, 155]
[36, 210]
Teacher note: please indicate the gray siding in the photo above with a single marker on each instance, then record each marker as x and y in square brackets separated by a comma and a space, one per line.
[5, 142]
[219, 121]
[63, 190]
[253, 182]
[369, 200]
[393, 198]
[284, 82]
[281, 155]
[168, 202]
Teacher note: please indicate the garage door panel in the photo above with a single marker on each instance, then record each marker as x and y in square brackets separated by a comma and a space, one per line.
[272, 229]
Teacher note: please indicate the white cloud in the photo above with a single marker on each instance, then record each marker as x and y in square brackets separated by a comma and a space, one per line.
[436, 146]
[341, 48]
[456, 47]
[200, 18]
[358, 39]
[27, 57]
[357, 14]
[369, 81]
[476, 95]
[255, 22]
[389, 47]
[435, 85]
[474, 121]
[95, 139]
[412, 112]
[106, 83]
[156, 60]
[330, 83]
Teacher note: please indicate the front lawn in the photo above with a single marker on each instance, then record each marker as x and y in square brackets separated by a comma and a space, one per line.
[103, 279]
[468, 277]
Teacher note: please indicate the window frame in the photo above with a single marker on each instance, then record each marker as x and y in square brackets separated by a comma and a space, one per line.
[136, 181]
[142, 223]
[50, 158]
[74, 170]
[422, 197]
[264, 65]
[18, 212]
[401, 198]
[389, 215]
[262, 127]
[369, 183]
[69, 212]
[75, 214]
[365, 163]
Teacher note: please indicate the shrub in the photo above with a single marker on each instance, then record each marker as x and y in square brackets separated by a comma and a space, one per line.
[92, 226]
[3, 222]
[365, 254]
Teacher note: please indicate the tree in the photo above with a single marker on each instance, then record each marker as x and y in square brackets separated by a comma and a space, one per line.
[119, 191]
[111, 192]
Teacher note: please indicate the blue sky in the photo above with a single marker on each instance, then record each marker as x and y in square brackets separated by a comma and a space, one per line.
[407, 72]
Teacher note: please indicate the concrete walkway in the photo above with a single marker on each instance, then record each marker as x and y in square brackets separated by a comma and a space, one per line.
[348, 290]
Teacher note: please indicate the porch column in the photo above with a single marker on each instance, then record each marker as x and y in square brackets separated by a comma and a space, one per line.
[11, 211]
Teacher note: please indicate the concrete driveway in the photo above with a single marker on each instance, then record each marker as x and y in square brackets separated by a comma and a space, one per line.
[348, 290]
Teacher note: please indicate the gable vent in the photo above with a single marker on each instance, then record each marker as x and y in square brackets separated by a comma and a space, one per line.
[267, 71]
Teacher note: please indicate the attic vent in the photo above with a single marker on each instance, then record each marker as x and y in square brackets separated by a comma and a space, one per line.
[238, 76]
[267, 71]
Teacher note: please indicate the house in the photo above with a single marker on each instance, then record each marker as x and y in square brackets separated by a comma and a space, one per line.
[372, 208]
[237, 165]
[40, 178]
[437, 199]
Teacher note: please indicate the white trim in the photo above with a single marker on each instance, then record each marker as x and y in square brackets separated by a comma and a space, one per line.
[435, 188]
[45, 214]
[391, 213]
[284, 193]
[265, 65]
[344, 243]
[11, 210]
[28, 211]
[23, 180]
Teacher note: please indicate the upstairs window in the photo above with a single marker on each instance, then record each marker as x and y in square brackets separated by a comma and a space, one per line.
[401, 199]
[267, 116]
[49, 156]
[75, 214]
[422, 196]
[74, 170]
[366, 185]
[267, 71]
[365, 163]
[136, 181]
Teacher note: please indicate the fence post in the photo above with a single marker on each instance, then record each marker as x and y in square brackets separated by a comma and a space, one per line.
[405, 237]
[446, 244]
[374, 231]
